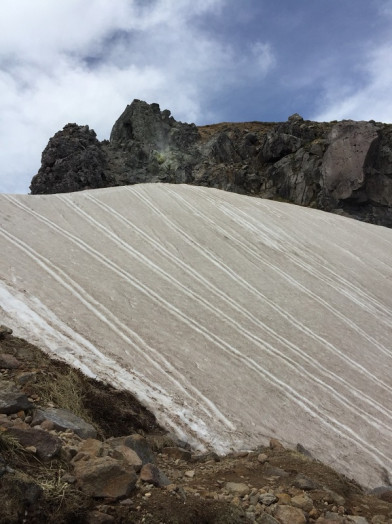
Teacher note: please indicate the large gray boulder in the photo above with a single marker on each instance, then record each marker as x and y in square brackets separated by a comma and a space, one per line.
[63, 419]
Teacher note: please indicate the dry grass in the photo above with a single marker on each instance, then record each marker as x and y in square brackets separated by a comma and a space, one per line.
[63, 388]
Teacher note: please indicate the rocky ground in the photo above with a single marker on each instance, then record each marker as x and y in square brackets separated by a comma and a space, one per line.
[76, 450]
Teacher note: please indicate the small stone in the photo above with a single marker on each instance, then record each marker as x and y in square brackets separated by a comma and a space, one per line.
[273, 471]
[284, 498]
[126, 502]
[31, 449]
[237, 489]
[303, 501]
[47, 425]
[356, 519]
[289, 515]
[276, 445]
[171, 487]
[333, 497]
[305, 483]
[190, 474]
[26, 377]
[267, 499]
[153, 475]
[262, 458]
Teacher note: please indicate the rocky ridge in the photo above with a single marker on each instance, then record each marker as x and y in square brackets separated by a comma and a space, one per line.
[344, 167]
[73, 449]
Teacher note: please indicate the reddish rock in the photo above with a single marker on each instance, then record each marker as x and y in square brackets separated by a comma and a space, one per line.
[128, 456]
[139, 445]
[90, 448]
[47, 446]
[105, 477]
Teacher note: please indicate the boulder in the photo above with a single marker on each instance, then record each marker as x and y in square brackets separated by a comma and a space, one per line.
[104, 477]
[64, 419]
[127, 455]
[72, 160]
[12, 400]
[46, 446]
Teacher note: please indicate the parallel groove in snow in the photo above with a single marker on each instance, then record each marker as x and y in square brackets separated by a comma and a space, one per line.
[244, 315]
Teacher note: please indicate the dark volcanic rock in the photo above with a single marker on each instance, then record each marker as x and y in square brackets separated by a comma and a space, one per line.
[63, 419]
[343, 167]
[73, 160]
[46, 445]
[12, 400]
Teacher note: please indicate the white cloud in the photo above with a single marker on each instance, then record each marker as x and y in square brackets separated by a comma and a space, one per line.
[369, 98]
[77, 61]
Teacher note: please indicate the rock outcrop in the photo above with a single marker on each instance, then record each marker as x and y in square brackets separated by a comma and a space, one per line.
[344, 167]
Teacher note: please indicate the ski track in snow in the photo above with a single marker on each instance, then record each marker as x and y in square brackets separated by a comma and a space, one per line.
[233, 323]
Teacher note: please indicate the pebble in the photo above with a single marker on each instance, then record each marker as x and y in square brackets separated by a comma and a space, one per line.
[262, 458]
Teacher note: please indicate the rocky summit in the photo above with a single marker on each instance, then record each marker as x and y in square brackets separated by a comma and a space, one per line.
[344, 167]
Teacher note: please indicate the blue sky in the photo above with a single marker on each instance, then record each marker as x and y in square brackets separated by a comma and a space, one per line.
[205, 60]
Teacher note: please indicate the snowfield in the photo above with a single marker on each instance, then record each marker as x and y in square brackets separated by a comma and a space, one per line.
[234, 319]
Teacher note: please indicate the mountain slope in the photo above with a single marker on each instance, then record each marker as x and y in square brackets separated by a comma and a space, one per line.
[233, 318]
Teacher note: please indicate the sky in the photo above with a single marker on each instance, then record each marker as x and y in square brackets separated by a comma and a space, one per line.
[207, 61]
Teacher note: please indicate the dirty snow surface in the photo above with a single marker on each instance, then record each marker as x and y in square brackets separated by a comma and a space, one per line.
[234, 319]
